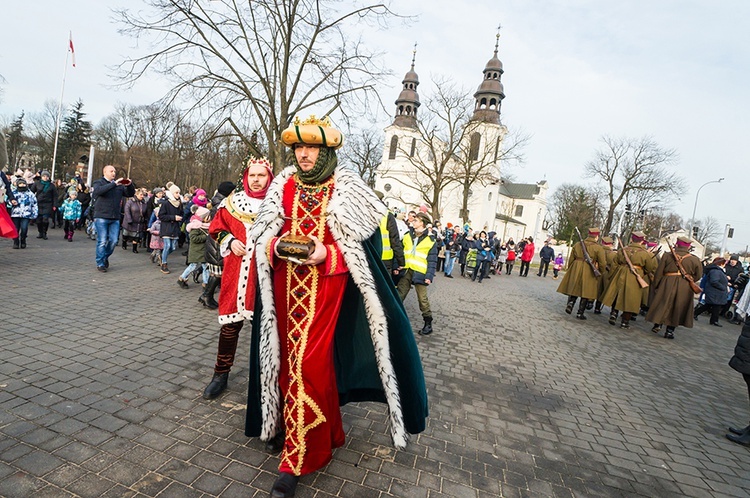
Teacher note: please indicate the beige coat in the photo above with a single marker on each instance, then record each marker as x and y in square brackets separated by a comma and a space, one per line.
[623, 292]
[672, 302]
[579, 279]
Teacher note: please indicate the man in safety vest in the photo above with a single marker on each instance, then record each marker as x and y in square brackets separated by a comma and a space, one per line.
[420, 253]
[393, 249]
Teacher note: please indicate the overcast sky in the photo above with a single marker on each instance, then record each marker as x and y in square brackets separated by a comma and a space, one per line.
[676, 70]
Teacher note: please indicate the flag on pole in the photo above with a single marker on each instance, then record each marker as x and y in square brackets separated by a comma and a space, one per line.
[72, 50]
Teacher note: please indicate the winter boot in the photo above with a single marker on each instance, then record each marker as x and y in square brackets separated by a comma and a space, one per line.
[164, 268]
[744, 439]
[15, 243]
[571, 303]
[23, 243]
[45, 227]
[613, 317]
[207, 298]
[40, 229]
[217, 385]
[135, 246]
[427, 329]
[124, 243]
[70, 236]
[626, 317]
[740, 432]
[582, 308]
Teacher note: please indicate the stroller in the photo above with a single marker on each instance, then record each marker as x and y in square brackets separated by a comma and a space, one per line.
[471, 263]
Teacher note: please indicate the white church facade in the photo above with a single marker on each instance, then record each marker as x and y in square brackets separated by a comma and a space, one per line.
[494, 203]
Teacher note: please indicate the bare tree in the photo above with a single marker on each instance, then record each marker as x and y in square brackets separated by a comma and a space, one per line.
[482, 164]
[709, 233]
[437, 142]
[626, 166]
[255, 65]
[573, 206]
[363, 151]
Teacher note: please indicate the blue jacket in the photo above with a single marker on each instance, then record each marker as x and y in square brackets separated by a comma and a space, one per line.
[27, 205]
[714, 284]
[107, 198]
[484, 250]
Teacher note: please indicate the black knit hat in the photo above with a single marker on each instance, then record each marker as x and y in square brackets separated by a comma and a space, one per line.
[225, 188]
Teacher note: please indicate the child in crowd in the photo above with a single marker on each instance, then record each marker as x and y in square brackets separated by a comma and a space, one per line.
[71, 213]
[510, 259]
[197, 230]
[23, 212]
[156, 244]
[557, 265]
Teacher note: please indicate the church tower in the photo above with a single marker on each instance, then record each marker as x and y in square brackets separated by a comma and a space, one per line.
[490, 92]
[408, 100]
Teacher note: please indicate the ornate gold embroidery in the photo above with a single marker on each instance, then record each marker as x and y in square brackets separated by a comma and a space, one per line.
[334, 259]
[242, 216]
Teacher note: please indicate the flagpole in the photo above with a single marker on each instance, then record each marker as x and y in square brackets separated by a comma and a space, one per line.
[59, 112]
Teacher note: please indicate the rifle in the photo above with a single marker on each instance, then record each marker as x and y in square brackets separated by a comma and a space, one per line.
[586, 256]
[639, 278]
[693, 286]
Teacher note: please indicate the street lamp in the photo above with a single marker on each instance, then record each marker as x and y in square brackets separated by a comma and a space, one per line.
[695, 206]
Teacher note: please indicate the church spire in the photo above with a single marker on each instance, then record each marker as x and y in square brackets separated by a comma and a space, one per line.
[490, 92]
[408, 100]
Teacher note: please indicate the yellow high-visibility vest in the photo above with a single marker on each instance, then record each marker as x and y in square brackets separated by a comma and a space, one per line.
[416, 256]
[387, 253]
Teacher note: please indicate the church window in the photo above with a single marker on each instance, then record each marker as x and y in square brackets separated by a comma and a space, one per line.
[519, 211]
[474, 146]
[387, 187]
[394, 147]
[413, 147]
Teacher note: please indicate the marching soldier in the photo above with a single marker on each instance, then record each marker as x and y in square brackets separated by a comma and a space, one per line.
[581, 280]
[625, 290]
[673, 297]
[609, 254]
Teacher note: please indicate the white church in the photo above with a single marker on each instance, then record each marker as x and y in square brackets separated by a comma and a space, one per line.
[510, 209]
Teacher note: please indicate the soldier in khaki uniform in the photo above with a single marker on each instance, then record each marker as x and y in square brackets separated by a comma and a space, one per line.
[610, 254]
[672, 299]
[579, 279]
[624, 293]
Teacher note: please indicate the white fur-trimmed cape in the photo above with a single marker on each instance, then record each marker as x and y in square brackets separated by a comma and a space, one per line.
[354, 214]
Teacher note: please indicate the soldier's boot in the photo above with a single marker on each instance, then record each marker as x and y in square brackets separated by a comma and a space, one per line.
[656, 328]
[582, 308]
[571, 303]
[589, 305]
[625, 323]
[669, 334]
[598, 307]
[613, 317]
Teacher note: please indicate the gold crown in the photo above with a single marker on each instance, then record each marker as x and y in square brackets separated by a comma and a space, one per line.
[312, 131]
[312, 120]
[257, 161]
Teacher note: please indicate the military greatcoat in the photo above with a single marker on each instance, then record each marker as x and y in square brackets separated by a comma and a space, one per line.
[673, 299]
[579, 279]
[623, 292]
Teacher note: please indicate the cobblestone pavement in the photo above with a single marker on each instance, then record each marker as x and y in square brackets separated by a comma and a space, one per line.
[101, 378]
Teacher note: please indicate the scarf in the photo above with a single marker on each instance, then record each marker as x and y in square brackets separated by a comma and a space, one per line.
[323, 168]
[45, 185]
[175, 201]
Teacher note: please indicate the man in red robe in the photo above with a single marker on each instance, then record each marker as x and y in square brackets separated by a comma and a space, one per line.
[230, 228]
[325, 311]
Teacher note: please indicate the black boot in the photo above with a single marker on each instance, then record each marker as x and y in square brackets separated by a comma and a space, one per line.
[45, 227]
[427, 329]
[275, 444]
[571, 303]
[582, 308]
[124, 243]
[740, 432]
[16, 244]
[207, 298]
[135, 247]
[217, 385]
[284, 486]
[744, 439]
[613, 317]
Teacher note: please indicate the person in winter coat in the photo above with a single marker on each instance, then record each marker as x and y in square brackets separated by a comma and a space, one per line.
[580, 280]
[420, 252]
[84, 197]
[46, 198]
[741, 362]
[466, 243]
[672, 301]
[107, 194]
[170, 216]
[733, 269]
[510, 260]
[526, 256]
[545, 256]
[214, 259]
[71, 214]
[715, 287]
[155, 243]
[134, 220]
[23, 212]
[482, 245]
[197, 230]
[557, 265]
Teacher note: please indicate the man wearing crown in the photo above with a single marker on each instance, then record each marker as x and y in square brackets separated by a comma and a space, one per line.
[328, 325]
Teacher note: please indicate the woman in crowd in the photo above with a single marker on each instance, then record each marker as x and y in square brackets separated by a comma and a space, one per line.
[134, 221]
[484, 256]
[170, 216]
[741, 362]
[46, 199]
[197, 231]
[715, 287]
